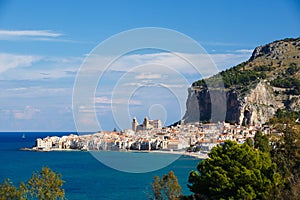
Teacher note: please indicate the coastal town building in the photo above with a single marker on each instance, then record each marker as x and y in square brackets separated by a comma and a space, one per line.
[196, 137]
[146, 125]
[45, 143]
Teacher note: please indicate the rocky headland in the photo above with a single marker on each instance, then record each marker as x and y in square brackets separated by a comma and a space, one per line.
[254, 90]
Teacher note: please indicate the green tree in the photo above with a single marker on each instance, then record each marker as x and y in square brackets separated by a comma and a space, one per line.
[261, 142]
[234, 171]
[44, 185]
[249, 142]
[286, 154]
[9, 192]
[166, 188]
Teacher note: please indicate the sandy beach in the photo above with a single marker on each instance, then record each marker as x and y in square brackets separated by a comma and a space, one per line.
[192, 154]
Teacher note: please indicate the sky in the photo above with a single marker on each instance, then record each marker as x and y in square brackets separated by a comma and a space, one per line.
[44, 44]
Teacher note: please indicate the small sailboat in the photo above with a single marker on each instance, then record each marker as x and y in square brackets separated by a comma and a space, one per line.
[23, 136]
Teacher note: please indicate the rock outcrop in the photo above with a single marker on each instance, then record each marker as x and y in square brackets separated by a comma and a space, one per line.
[276, 85]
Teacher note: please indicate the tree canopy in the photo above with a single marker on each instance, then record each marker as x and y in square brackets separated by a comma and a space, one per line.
[261, 142]
[235, 171]
[166, 188]
[9, 192]
[43, 185]
[286, 154]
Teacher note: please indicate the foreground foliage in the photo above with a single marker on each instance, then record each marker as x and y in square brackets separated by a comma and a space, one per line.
[43, 185]
[9, 192]
[266, 168]
[166, 187]
[235, 171]
[286, 154]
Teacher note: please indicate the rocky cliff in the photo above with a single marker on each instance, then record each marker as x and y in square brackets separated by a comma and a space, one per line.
[253, 90]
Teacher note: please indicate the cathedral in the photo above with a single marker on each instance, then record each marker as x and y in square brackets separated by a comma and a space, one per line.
[146, 125]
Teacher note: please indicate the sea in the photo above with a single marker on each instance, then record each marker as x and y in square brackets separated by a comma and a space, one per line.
[86, 178]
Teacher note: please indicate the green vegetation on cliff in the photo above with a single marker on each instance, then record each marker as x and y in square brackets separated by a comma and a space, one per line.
[277, 62]
[235, 76]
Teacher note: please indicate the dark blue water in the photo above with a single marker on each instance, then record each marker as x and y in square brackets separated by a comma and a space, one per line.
[85, 177]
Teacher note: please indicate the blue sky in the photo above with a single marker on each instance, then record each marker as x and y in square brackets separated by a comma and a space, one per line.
[43, 44]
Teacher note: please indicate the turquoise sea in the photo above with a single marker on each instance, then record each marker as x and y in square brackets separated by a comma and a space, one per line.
[85, 177]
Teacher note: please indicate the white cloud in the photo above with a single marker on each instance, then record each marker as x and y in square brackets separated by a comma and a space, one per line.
[13, 66]
[148, 76]
[103, 100]
[247, 51]
[27, 113]
[206, 64]
[99, 109]
[28, 34]
[174, 85]
[10, 61]
[17, 89]
[35, 92]
[224, 61]
[106, 100]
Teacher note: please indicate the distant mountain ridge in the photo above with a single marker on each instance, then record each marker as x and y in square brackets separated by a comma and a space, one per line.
[255, 89]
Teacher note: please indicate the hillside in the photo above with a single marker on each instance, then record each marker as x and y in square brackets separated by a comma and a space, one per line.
[255, 89]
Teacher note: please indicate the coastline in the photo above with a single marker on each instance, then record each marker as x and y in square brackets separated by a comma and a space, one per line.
[49, 150]
[197, 155]
[184, 153]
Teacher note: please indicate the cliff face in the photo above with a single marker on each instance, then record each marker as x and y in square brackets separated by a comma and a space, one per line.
[259, 105]
[276, 70]
[256, 107]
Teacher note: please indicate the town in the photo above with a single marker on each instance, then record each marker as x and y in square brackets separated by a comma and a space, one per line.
[150, 136]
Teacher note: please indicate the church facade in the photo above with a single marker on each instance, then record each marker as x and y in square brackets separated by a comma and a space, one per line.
[146, 125]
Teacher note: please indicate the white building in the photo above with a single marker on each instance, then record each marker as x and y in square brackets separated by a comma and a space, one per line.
[44, 143]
